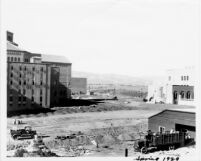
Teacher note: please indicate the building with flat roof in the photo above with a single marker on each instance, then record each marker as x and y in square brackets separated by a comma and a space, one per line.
[178, 87]
[35, 80]
[177, 119]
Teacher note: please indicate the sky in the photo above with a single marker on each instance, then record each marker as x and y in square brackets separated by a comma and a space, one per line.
[128, 37]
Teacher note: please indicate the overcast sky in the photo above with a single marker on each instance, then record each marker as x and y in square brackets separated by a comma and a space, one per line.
[130, 37]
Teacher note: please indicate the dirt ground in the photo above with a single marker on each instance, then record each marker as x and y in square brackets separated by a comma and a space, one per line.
[113, 130]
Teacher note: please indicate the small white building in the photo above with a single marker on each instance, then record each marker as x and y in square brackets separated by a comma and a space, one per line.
[156, 93]
[178, 88]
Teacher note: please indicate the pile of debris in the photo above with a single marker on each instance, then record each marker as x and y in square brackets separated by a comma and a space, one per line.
[36, 148]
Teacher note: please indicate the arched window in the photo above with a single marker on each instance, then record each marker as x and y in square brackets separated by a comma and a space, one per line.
[11, 58]
[188, 95]
[18, 59]
[15, 59]
[182, 94]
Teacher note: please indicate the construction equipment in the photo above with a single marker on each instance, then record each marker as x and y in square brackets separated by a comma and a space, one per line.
[25, 133]
[161, 141]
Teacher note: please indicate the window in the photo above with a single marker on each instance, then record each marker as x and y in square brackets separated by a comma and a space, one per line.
[20, 75]
[25, 68]
[11, 67]
[32, 91]
[19, 91]
[24, 82]
[33, 82]
[11, 82]
[8, 58]
[11, 75]
[15, 59]
[32, 99]
[24, 99]
[41, 69]
[41, 82]
[19, 99]
[11, 99]
[182, 95]
[188, 95]
[33, 68]
[11, 58]
[41, 99]
[187, 77]
[20, 82]
[182, 78]
[161, 129]
[41, 92]
[20, 68]
[18, 59]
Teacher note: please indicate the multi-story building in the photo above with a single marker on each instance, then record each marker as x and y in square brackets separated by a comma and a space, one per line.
[35, 80]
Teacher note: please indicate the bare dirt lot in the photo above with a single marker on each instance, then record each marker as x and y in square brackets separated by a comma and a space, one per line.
[113, 125]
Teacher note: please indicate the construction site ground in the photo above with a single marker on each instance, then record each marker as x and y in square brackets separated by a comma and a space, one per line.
[113, 125]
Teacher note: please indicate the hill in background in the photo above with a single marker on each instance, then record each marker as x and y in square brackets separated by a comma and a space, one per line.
[93, 78]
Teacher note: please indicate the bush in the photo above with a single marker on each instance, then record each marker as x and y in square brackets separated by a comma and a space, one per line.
[20, 152]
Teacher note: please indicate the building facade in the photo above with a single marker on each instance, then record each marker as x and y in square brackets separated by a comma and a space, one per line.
[35, 80]
[180, 86]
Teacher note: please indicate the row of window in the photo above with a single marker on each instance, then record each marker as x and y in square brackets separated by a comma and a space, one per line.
[187, 95]
[13, 59]
[25, 83]
[184, 95]
[24, 92]
[25, 68]
[20, 99]
[16, 59]
[184, 78]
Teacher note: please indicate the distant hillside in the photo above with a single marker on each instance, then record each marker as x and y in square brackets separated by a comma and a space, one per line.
[93, 78]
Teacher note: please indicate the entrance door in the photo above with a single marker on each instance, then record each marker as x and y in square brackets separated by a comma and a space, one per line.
[184, 128]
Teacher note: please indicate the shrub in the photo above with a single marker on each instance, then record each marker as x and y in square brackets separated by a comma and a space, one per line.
[20, 152]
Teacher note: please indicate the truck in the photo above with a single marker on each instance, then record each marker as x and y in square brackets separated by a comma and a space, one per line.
[161, 141]
[24, 133]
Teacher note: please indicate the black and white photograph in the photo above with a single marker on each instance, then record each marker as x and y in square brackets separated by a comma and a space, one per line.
[100, 78]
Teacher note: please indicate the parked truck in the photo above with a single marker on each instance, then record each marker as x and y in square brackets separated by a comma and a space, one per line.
[161, 141]
[24, 133]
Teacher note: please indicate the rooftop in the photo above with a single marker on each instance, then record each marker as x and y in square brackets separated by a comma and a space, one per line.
[11, 46]
[54, 58]
[192, 110]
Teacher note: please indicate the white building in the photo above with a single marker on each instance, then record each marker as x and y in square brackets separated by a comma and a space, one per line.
[178, 87]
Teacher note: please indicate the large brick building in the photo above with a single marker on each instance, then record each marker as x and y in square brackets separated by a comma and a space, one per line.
[35, 80]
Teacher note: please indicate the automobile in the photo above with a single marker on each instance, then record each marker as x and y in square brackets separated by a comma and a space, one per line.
[24, 133]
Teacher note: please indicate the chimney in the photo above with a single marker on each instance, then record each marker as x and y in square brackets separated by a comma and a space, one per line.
[10, 36]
